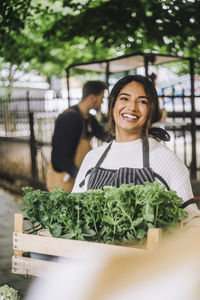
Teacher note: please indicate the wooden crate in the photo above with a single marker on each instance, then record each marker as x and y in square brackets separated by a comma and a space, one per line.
[63, 248]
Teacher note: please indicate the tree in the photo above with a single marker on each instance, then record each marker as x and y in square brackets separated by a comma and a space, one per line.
[51, 35]
[127, 24]
[13, 15]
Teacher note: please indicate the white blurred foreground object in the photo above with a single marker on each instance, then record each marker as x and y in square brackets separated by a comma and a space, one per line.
[170, 272]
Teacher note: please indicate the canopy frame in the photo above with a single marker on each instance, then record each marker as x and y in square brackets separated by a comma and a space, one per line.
[132, 62]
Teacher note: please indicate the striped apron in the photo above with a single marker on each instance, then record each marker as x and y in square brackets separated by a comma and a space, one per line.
[100, 177]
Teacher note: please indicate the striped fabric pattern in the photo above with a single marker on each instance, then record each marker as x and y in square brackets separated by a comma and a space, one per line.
[103, 177]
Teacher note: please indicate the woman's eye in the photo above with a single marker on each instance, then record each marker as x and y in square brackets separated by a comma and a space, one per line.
[124, 98]
[142, 101]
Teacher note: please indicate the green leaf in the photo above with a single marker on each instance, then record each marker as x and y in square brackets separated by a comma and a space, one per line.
[141, 234]
[89, 232]
[109, 220]
[148, 217]
[150, 225]
[130, 237]
[69, 235]
[56, 230]
[137, 222]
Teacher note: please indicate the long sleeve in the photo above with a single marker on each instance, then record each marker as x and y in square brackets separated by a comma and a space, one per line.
[67, 133]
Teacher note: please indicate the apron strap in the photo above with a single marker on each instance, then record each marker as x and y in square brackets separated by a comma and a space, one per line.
[145, 150]
[161, 180]
[97, 164]
[103, 156]
[82, 183]
[188, 202]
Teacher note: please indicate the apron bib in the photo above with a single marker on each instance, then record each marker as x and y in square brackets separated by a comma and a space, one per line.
[100, 177]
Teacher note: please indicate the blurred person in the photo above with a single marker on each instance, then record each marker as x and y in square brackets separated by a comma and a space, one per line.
[169, 272]
[73, 131]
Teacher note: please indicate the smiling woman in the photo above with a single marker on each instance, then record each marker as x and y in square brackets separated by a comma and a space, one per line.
[130, 112]
[142, 97]
[136, 153]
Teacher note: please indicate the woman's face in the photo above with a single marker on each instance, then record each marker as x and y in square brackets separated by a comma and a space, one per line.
[130, 112]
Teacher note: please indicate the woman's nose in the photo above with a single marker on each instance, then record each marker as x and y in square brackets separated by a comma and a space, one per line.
[133, 105]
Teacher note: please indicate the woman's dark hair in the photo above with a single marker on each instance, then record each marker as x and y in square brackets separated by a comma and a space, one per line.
[154, 108]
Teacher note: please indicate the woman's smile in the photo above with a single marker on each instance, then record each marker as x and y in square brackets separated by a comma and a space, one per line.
[130, 117]
[130, 111]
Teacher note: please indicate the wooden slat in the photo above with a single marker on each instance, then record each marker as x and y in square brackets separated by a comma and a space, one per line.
[181, 225]
[18, 227]
[70, 249]
[67, 248]
[31, 267]
[153, 238]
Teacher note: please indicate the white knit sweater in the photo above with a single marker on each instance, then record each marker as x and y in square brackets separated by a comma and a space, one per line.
[162, 160]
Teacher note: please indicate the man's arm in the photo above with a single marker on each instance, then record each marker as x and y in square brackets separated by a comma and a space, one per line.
[67, 133]
[97, 129]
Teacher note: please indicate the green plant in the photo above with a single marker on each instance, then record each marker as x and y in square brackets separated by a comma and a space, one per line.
[112, 215]
[8, 293]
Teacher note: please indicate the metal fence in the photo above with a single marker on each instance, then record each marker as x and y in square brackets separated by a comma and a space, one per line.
[32, 120]
[183, 124]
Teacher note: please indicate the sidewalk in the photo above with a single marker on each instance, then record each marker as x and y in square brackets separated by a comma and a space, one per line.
[8, 206]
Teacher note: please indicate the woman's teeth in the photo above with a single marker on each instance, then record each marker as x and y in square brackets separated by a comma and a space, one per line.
[132, 117]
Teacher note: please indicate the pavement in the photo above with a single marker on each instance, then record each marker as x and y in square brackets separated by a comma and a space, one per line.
[9, 205]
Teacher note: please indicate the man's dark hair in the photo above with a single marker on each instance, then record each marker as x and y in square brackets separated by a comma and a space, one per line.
[93, 88]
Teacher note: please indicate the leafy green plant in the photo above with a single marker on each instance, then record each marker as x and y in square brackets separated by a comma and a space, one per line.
[8, 293]
[112, 215]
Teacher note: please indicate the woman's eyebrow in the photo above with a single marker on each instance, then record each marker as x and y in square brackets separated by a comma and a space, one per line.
[126, 94]
[144, 97]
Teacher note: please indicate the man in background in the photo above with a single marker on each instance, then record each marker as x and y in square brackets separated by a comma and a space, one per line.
[73, 131]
